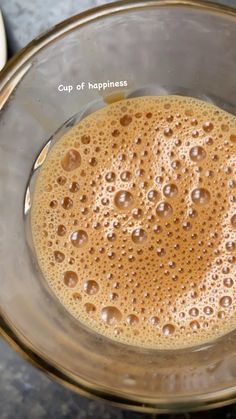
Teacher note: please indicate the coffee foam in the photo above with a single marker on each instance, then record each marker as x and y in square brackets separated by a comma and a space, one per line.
[134, 221]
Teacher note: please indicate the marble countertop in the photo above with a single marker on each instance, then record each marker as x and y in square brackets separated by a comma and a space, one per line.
[25, 392]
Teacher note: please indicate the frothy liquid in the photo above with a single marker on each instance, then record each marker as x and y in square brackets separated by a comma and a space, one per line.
[134, 221]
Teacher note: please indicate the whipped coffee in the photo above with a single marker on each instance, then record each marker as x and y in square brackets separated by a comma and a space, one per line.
[134, 221]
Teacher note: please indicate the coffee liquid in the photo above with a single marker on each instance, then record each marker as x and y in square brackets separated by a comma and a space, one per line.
[134, 221]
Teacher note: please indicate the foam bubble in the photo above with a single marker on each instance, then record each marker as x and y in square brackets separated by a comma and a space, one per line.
[233, 138]
[125, 120]
[125, 176]
[139, 235]
[90, 308]
[230, 246]
[110, 176]
[207, 126]
[71, 160]
[137, 213]
[154, 321]
[61, 230]
[170, 191]
[91, 287]
[164, 210]
[194, 325]
[123, 200]
[228, 282]
[70, 279]
[168, 329]
[225, 301]
[152, 195]
[132, 320]
[111, 315]
[197, 153]
[59, 256]
[74, 187]
[200, 196]
[168, 132]
[194, 312]
[79, 238]
[67, 203]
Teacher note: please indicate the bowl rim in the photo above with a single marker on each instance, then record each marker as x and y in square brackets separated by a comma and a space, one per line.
[8, 332]
[92, 14]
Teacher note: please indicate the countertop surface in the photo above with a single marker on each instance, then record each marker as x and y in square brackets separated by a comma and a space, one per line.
[25, 392]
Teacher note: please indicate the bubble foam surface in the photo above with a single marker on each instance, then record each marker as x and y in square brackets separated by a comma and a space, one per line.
[134, 221]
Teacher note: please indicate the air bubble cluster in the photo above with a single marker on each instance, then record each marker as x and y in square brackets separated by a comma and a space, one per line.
[134, 221]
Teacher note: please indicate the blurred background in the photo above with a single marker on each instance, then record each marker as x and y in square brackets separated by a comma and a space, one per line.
[26, 393]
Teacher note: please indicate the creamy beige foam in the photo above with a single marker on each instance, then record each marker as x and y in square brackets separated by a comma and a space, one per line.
[134, 221]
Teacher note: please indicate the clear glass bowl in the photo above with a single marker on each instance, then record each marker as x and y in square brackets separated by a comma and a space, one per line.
[158, 47]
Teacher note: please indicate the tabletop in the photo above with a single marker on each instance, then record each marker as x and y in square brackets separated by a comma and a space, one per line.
[25, 392]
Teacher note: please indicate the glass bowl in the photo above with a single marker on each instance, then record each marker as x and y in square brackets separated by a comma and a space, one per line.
[155, 47]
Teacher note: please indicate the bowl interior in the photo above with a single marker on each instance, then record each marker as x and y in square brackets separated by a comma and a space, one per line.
[157, 48]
